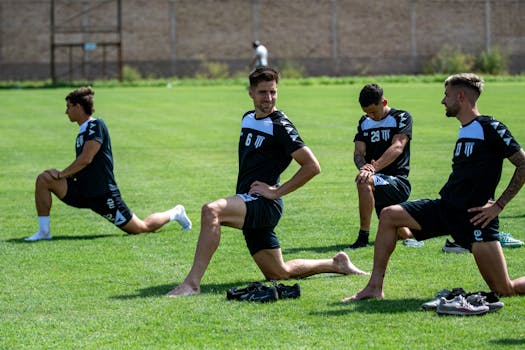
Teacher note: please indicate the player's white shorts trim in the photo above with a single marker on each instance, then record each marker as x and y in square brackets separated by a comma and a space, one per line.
[248, 197]
[378, 181]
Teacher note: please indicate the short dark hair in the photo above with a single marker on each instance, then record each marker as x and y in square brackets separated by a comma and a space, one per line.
[371, 94]
[468, 80]
[83, 96]
[263, 74]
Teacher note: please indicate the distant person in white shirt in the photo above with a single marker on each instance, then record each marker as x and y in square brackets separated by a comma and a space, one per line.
[260, 58]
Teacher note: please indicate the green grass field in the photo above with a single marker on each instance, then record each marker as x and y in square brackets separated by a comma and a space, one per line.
[93, 287]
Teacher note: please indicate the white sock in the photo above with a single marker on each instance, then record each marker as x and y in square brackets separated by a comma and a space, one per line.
[43, 224]
[172, 213]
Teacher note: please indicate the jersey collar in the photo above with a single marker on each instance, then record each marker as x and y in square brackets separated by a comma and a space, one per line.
[84, 124]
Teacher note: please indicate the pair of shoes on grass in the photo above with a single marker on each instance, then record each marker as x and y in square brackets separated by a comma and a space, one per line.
[460, 306]
[259, 292]
[459, 302]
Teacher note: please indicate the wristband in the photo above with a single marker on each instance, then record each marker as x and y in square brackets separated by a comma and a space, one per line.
[499, 205]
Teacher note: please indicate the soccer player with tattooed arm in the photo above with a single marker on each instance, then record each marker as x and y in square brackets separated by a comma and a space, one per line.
[468, 207]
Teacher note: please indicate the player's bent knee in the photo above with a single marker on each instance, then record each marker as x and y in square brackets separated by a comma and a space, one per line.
[209, 212]
[387, 213]
[277, 273]
[275, 276]
[364, 187]
[43, 179]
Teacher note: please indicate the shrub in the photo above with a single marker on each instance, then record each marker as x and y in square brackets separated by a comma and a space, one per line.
[292, 70]
[492, 61]
[212, 70]
[450, 60]
[130, 74]
[241, 74]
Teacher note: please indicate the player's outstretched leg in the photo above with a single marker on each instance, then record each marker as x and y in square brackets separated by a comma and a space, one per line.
[268, 262]
[156, 220]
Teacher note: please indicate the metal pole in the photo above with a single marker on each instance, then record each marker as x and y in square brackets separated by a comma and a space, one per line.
[335, 43]
[85, 36]
[413, 35]
[119, 28]
[173, 36]
[487, 25]
[52, 40]
[413, 28]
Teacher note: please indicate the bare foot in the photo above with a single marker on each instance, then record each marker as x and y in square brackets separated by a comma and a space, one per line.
[183, 290]
[345, 266]
[366, 293]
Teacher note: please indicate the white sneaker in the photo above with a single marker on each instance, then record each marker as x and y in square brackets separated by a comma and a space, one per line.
[181, 217]
[38, 237]
[410, 242]
[433, 304]
[507, 240]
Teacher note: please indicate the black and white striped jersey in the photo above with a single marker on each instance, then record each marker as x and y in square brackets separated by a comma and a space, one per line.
[265, 148]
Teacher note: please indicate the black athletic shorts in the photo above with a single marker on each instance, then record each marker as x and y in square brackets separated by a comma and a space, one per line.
[390, 190]
[437, 218]
[110, 205]
[262, 215]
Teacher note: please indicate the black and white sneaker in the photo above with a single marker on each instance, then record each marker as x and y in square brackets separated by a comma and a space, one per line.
[255, 291]
[461, 307]
[453, 247]
[445, 293]
[288, 291]
[485, 298]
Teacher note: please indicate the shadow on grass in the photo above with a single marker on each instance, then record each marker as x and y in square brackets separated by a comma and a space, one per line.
[328, 249]
[508, 341]
[162, 290]
[512, 216]
[60, 238]
[373, 306]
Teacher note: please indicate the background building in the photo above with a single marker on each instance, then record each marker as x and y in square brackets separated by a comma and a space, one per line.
[163, 38]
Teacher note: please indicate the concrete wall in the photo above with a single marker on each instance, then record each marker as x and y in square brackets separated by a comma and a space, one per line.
[327, 37]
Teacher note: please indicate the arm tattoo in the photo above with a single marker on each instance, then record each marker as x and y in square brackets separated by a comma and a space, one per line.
[518, 178]
[359, 160]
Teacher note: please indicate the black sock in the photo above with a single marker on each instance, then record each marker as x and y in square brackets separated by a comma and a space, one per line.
[363, 236]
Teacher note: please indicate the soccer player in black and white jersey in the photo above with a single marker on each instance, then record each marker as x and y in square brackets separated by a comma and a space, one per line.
[382, 156]
[268, 143]
[89, 182]
[468, 208]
